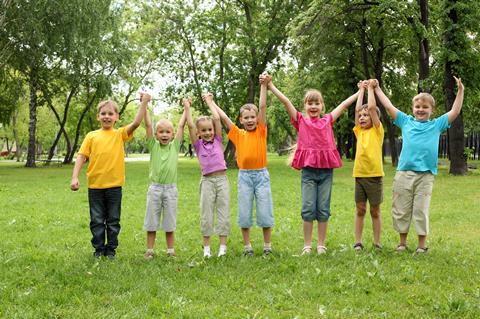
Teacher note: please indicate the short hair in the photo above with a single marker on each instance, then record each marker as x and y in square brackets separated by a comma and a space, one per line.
[365, 107]
[203, 118]
[248, 107]
[164, 121]
[105, 103]
[424, 96]
[313, 96]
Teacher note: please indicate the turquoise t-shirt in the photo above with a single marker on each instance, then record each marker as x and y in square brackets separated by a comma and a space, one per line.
[163, 161]
[420, 142]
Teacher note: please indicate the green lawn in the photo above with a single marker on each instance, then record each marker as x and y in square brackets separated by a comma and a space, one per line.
[47, 271]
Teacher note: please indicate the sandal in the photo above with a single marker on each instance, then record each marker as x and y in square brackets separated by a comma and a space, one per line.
[377, 246]
[421, 250]
[321, 250]
[401, 248]
[358, 246]
[306, 250]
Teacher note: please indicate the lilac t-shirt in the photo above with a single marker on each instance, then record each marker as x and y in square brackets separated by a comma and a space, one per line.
[210, 155]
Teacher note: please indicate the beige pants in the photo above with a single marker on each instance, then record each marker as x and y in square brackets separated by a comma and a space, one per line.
[215, 194]
[412, 192]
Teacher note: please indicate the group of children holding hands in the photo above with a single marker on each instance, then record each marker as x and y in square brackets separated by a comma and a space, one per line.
[315, 155]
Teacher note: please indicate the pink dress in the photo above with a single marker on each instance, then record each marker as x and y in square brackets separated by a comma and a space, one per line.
[315, 144]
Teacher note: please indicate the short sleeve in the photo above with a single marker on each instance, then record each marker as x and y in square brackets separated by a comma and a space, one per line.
[379, 130]
[176, 144]
[442, 122]
[295, 121]
[262, 128]
[124, 132]
[356, 129]
[86, 147]
[150, 143]
[401, 119]
[233, 134]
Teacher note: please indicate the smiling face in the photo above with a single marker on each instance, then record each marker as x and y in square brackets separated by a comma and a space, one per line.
[364, 119]
[313, 103]
[164, 132]
[205, 129]
[107, 116]
[248, 119]
[423, 105]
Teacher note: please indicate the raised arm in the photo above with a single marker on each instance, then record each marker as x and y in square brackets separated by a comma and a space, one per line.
[148, 124]
[343, 106]
[372, 104]
[208, 98]
[187, 102]
[292, 112]
[358, 106]
[385, 101]
[144, 99]
[181, 126]
[458, 103]
[75, 184]
[215, 116]
[262, 103]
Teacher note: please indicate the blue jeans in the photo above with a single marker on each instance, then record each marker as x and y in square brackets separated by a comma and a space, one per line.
[254, 184]
[316, 193]
[105, 205]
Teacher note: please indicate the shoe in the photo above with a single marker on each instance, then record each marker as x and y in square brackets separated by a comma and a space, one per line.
[110, 254]
[321, 250]
[358, 246]
[97, 254]
[401, 248]
[222, 253]
[148, 254]
[248, 252]
[206, 255]
[267, 251]
[378, 246]
[171, 255]
[307, 250]
[421, 250]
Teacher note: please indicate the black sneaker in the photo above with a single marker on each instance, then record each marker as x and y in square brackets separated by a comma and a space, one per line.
[97, 254]
[110, 254]
[267, 251]
[248, 252]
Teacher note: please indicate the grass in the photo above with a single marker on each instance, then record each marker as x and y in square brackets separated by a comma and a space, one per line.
[47, 271]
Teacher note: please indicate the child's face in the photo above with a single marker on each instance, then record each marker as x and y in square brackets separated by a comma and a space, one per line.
[313, 108]
[107, 116]
[164, 133]
[248, 119]
[205, 130]
[364, 119]
[422, 110]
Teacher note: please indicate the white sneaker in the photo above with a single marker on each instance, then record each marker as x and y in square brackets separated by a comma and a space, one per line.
[206, 254]
[222, 253]
[321, 250]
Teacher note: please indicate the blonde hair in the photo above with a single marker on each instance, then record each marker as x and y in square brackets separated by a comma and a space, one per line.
[248, 107]
[313, 96]
[203, 118]
[105, 103]
[424, 96]
[365, 107]
[164, 121]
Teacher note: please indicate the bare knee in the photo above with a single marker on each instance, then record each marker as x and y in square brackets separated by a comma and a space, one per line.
[375, 212]
[361, 209]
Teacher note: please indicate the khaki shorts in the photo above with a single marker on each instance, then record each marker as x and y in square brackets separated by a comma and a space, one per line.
[215, 195]
[370, 188]
[412, 192]
[161, 205]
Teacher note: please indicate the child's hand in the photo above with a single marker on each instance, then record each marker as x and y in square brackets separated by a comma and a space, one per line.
[373, 83]
[459, 83]
[207, 97]
[74, 184]
[264, 78]
[145, 97]
[187, 102]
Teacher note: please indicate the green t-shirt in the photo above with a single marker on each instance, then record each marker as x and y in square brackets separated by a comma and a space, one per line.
[163, 161]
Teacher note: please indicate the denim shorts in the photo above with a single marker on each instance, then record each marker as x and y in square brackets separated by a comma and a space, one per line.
[254, 184]
[316, 193]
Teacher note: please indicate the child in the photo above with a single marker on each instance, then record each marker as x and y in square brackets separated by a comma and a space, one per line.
[368, 166]
[417, 166]
[106, 174]
[253, 177]
[162, 193]
[206, 136]
[316, 155]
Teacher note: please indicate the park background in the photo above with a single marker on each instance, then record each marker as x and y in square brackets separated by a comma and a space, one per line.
[58, 59]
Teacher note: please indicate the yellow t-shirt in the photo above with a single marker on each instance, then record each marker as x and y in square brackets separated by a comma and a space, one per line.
[368, 158]
[104, 150]
[251, 146]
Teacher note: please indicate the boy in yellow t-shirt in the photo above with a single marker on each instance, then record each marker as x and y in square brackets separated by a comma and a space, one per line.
[368, 166]
[253, 176]
[106, 174]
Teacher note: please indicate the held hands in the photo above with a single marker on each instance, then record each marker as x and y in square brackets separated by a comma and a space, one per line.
[145, 97]
[363, 84]
[74, 184]
[265, 78]
[207, 97]
[459, 83]
[187, 102]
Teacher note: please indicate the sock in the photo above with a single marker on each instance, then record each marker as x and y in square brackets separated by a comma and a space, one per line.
[170, 251]
[150, 250]
[267, 245]
[206, 250]
[223, 248]
[248, 247]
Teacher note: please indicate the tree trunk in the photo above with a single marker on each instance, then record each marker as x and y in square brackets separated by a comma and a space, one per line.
[423, 51]
[32, 124]
[456, 138]
[18, 149]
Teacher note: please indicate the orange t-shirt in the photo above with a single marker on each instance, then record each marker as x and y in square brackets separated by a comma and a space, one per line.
[251, 146]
